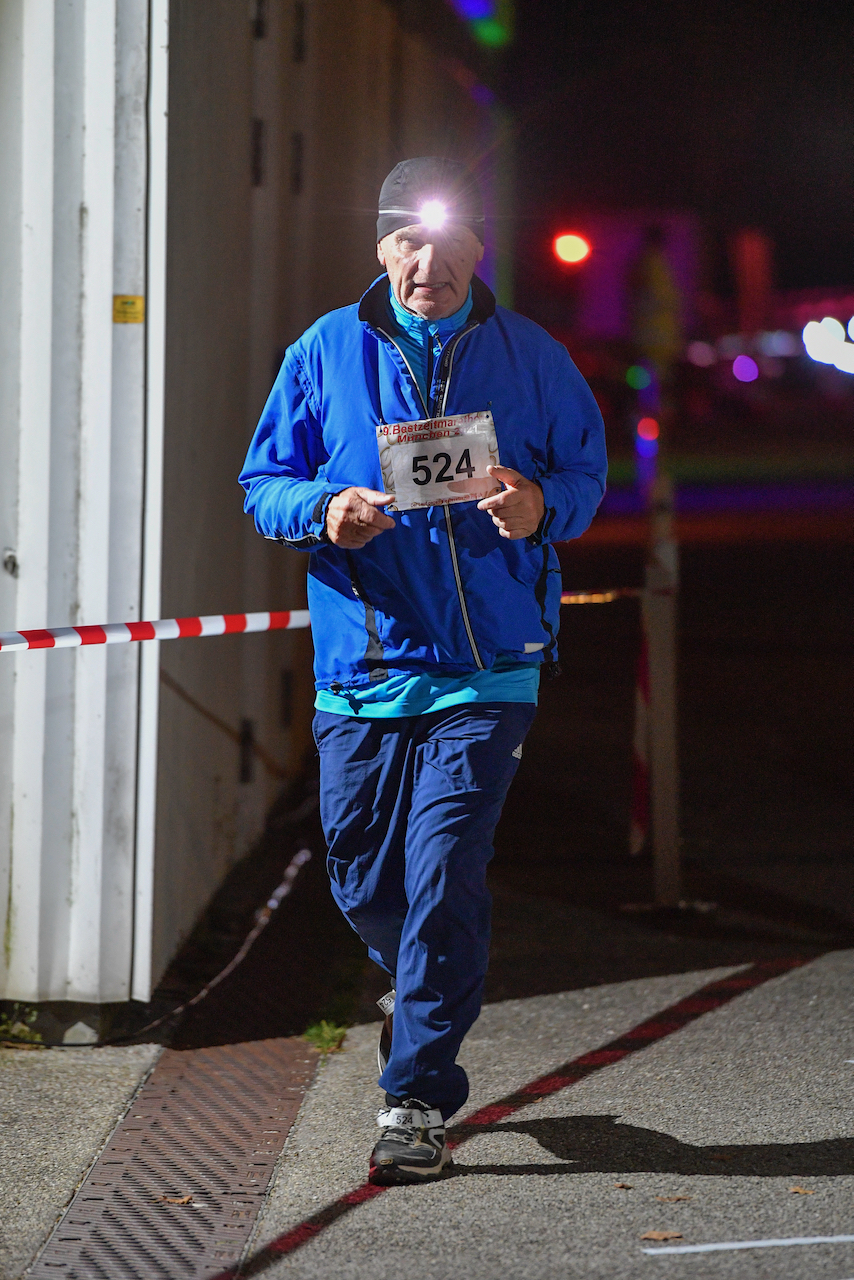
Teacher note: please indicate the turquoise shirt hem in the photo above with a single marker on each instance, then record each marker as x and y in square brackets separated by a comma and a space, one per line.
[419, 695]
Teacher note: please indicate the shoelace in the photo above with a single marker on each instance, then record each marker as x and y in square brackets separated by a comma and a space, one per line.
[402, 1135]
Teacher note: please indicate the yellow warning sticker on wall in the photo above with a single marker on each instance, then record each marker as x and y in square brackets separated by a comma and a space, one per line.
[128, 309]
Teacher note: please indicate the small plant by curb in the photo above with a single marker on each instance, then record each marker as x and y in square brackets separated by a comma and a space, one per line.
[16, 1028]
[328, 1037]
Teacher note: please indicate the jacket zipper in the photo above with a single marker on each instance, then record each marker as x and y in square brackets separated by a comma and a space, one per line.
[481, 666]
[374, 655]
[449, 351]
[409, 370]
[449, 524]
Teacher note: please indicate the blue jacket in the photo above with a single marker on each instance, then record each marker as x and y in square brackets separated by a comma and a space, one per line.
[442, 592]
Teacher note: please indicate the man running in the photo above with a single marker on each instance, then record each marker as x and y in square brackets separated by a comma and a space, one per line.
[427, 447]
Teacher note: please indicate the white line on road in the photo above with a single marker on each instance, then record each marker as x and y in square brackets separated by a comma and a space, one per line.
[751, 1244]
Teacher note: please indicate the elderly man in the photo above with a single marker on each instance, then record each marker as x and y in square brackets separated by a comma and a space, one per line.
[427, 447]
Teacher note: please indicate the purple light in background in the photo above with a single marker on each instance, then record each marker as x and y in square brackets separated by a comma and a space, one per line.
[645, 448]
[483, 96]
[796, 496]
[745, 369]
[473, 10]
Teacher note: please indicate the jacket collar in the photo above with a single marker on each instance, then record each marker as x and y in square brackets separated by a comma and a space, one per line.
[373, 309]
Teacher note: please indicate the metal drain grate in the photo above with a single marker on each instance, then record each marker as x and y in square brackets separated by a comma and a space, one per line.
[208, 1124]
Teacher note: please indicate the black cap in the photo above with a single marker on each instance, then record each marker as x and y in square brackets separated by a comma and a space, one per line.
[413, 182]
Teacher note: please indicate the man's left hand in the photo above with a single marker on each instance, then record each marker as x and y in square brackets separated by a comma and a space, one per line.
[518, 509]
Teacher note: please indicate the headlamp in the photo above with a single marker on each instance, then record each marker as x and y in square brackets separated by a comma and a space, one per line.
[433, 215]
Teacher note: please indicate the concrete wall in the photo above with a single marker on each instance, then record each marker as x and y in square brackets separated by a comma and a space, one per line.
[269, 226]
[200, 798]
[281, 122]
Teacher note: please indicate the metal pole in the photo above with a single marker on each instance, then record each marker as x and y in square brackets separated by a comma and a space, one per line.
[659, 617]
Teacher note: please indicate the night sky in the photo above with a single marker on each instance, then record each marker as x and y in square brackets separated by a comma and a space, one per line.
[741, 111]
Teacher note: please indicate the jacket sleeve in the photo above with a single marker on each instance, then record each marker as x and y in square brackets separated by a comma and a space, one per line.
[286, 491]
[573, 482]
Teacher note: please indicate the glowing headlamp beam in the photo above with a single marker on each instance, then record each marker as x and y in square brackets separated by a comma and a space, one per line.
[434, 215]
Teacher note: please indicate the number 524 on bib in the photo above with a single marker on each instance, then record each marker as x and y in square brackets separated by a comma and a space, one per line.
[438, 460]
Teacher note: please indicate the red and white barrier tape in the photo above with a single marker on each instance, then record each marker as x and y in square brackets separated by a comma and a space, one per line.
[220, 624]
[216, 624]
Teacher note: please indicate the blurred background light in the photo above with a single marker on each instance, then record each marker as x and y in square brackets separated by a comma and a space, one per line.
[645, 448]
[490, 21]
[834, 328]
[778, 343]
[825, 343]
[745, 368]
[638, 377]
[571, 247]
[851, 328]
[474, 10]
[491, 32]
[647, 429]
[819, 342]
[701, 354]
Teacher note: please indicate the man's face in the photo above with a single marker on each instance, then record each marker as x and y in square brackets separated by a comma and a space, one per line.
[430, 271]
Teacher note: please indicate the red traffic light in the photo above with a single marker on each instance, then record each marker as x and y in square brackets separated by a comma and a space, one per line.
[571, 247]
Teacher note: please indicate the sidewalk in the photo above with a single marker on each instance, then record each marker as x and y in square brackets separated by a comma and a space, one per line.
[57, 1109]
[732, 1110]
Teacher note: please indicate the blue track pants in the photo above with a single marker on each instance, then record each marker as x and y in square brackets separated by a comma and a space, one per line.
[409, 807]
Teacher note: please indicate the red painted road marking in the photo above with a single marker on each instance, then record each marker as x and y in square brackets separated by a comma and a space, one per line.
[658, 1027]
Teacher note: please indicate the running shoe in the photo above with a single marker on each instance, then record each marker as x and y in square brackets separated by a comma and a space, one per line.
[412, 1147]
[386, 1004]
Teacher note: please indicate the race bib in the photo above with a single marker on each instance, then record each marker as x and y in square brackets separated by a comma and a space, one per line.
[438, 460]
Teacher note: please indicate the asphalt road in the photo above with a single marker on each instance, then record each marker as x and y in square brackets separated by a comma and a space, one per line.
[730, 1113]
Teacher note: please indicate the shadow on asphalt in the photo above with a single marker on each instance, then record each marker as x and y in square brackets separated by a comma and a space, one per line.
[600, 1144]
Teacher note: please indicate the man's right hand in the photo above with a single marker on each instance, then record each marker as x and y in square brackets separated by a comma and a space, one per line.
[353, 517]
